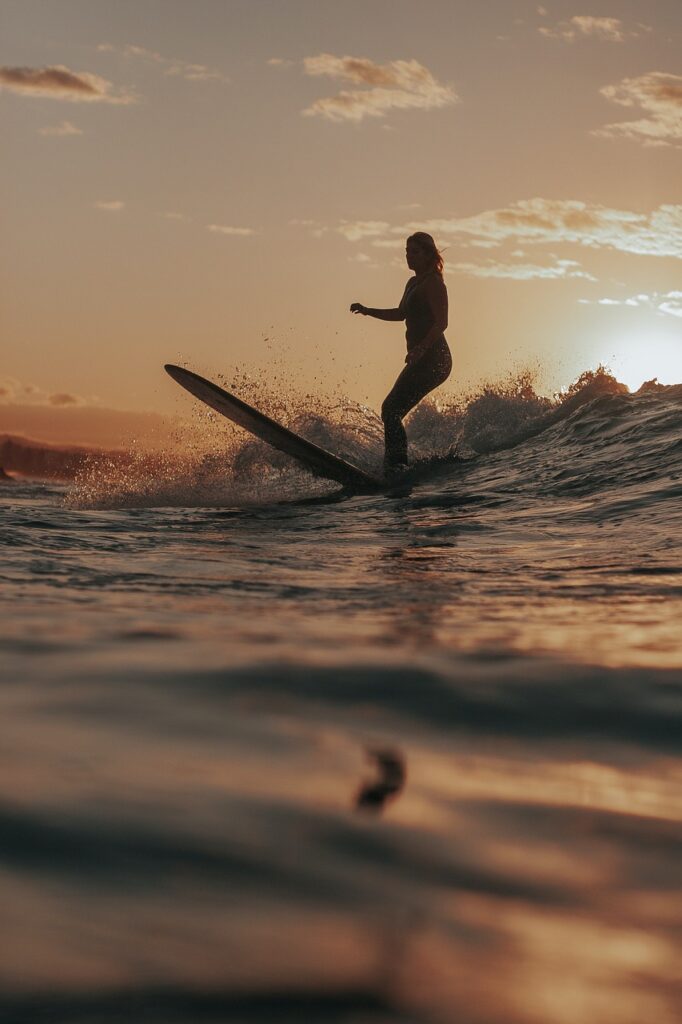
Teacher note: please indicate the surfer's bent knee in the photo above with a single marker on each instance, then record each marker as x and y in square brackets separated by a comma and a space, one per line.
[389, 410]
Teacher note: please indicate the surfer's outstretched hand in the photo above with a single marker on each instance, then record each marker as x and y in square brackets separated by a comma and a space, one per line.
[357, 307]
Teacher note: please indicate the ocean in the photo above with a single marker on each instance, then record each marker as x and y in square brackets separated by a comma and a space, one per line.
[275, 752]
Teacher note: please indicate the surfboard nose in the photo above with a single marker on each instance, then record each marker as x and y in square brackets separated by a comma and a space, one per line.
[176, 372]
[315, 459]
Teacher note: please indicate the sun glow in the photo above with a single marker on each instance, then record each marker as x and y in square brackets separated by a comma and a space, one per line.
[646, 357]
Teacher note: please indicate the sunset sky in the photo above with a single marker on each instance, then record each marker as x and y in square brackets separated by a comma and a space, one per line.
[214, 182]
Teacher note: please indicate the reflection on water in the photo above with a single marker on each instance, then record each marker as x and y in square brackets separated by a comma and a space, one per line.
[423, 574]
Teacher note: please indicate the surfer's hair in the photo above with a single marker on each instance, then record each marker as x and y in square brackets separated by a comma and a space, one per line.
[427, 244]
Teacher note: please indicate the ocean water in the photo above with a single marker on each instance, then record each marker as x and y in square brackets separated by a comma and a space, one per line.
[273, 752]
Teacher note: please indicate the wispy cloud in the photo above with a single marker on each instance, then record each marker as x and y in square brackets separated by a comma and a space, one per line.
[552, 221]
[9, 387]
[667, 303]
[659, 96]
[671, 304]
[390, 243]
[110, 205]
[14, 392]
[227, 229]
[397, 85]
[610, 30]
[63, 398]
[353, 231]
[59, 83]
[560, 270]
[532, 223]
[316, 228]
[64, 128]
[170, 65]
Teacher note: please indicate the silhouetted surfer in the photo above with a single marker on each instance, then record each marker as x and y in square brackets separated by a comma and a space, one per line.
[424, 307]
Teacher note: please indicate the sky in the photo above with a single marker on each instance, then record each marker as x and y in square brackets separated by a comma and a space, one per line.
[214, 182]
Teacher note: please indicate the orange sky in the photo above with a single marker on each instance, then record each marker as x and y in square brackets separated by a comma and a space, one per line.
[214, 183]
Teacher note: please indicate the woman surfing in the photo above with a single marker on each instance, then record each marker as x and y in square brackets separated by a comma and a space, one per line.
[424, 308]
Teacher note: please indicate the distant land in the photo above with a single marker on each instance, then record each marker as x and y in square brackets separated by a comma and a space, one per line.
[25, 456]
[56, 443]
[88, 425]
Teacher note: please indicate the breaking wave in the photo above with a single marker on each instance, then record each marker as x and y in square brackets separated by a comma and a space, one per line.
[213, 463]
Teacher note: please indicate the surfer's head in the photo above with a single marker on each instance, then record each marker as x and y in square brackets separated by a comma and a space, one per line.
[422, 253]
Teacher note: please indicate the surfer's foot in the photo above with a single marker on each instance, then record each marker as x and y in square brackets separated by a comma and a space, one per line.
[394, 470]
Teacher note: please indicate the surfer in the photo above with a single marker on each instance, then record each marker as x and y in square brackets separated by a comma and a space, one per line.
[424, 307]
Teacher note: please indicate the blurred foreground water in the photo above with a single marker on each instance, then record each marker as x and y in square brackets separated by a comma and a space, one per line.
[274, 754]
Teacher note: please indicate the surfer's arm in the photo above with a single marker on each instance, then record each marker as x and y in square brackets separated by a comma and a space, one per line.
[378, 314]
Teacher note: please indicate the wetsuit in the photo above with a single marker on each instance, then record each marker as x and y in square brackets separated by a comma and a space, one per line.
[417, 379]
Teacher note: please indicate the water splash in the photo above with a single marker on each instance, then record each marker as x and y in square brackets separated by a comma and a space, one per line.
[211, 462]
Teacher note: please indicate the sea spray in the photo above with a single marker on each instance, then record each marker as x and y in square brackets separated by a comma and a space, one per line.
[213, 462]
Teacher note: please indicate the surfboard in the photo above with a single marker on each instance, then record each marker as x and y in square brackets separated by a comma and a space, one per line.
[315, 459]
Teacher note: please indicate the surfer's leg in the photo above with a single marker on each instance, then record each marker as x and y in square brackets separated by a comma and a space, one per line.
[413, 384]
[395, 438]
[408, 390]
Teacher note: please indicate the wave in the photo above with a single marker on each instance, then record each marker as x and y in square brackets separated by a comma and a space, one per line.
[593, 433]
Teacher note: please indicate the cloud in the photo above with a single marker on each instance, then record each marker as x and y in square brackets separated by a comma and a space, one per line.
[9, 386]
[667, 303]
[553, 221]
[59, 83]
[171, 66]
[353, 231]
[62, 398]
[226, 229]
[13, 392]
[398, 85]
[561, 270]
[658, 95]
[531, 223]
[63, 128]
[110, 205]
[610, 30]
[389, 243]
[317, 230]
[671, 304]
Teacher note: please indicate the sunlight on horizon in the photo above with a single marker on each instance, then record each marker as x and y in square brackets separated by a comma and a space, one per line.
[645, 356]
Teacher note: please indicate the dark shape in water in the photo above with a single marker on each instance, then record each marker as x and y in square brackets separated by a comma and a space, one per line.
[374, 795]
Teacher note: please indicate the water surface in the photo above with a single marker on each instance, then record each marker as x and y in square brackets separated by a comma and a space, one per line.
[275, 754]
